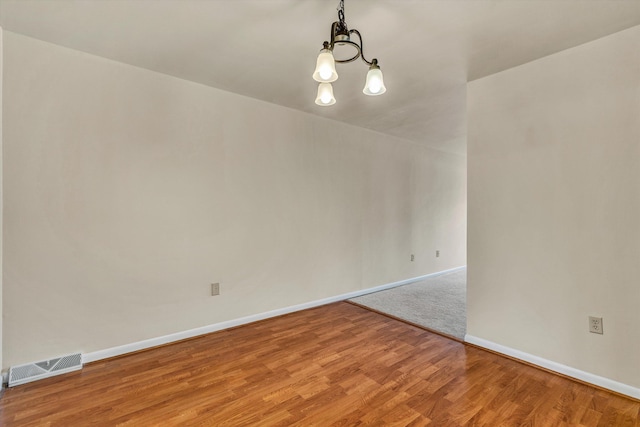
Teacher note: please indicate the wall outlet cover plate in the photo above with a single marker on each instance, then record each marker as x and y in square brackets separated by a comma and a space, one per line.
[595, 325]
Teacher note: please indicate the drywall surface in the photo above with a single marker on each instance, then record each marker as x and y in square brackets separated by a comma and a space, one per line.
[128, 192]
[1, 194]
[553, 205]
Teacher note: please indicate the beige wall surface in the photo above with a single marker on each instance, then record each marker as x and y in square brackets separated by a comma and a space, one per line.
[1, 193]
[554, 207]
[128, 192]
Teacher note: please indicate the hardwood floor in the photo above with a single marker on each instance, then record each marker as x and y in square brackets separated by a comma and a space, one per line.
[336, 365]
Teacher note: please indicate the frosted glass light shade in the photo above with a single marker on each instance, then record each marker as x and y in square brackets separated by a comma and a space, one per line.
[374, 84]
[325, 67]
[325, 95]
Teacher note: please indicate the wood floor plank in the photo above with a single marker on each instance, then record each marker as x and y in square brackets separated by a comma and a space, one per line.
[336, 365]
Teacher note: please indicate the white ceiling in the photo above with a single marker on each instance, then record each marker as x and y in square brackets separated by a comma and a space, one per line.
[266, 49]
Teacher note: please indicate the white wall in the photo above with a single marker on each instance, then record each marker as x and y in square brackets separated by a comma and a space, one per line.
[554, 207]
[1, 194]
[128, 192]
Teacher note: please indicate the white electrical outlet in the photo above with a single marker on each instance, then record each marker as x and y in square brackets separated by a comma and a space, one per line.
[437, 254]
[412, 257]
[595, 325]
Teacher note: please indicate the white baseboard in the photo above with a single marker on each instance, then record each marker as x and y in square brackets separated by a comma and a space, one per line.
[587, 377]
[166, 339]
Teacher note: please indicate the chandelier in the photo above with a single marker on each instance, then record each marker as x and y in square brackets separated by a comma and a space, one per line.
[325, 72]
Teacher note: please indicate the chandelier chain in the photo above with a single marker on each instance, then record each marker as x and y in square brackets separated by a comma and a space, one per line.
[342, 24]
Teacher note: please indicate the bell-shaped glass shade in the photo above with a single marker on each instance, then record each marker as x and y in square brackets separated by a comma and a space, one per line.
[325, 67]
[374, 84]
[325, 95]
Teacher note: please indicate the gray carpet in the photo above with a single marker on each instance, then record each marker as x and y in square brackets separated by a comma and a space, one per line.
[438, 303]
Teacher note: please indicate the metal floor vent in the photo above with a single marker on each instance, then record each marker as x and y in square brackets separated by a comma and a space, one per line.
[47, 368]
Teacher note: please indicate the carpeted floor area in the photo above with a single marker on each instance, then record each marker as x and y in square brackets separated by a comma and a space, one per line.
[438, 303]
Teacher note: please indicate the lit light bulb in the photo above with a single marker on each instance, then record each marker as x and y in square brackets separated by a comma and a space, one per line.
[325, 72]
[375, 86]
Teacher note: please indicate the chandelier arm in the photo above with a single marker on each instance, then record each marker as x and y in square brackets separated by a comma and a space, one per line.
[356, 56]
[360, 48]
[333, 35]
